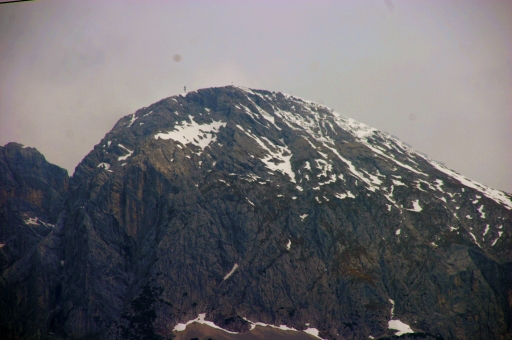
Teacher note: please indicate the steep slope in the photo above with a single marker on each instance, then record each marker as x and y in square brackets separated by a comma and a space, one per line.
[252, 207]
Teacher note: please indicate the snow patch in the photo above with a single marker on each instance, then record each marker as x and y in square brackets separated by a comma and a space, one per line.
[343, 196]
[398, 183]
[496, 240]
[288, 245]
[33, 221]
[201, 320]
[310, 330]
[400, 327]
[231, 272]
[486, 230]
[191, 132]
[133, 119]
[474, 239]
[439, 184]
[416, 206]
[278, 157]
[123, 158]
[481, 211]
[105, 166]
[405, 166]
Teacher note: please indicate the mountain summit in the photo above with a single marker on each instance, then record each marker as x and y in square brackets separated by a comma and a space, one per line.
[231, 211]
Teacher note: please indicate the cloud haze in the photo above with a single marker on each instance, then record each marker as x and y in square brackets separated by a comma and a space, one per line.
[437, 74]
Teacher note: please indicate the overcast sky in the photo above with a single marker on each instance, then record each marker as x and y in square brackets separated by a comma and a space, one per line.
[437, 74]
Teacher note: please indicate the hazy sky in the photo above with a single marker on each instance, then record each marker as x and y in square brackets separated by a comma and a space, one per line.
[437, 74]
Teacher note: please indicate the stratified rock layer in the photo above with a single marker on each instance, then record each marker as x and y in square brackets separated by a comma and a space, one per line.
[253, 206]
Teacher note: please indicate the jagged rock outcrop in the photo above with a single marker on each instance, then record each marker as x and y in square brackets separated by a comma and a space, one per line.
[256, 207]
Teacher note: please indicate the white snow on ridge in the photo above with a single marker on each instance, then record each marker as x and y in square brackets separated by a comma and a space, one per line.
[356, 128]
[318, 124]
[312, 125]
[405, 166]
[496, 195]
[362, 132]
[198, 134]
[263, 113]
[133, 119]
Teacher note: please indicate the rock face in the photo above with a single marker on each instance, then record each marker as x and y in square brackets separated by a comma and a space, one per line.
[252, 207]
[32, 194]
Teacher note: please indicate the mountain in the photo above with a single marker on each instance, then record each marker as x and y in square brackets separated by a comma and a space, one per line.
[32, 195]
[233, 213]
[31, 198]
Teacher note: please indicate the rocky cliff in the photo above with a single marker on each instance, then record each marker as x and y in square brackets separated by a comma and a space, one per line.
[241, 208]
[32, 195]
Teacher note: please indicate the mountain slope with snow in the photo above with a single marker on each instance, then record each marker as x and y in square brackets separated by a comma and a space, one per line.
[240, 208]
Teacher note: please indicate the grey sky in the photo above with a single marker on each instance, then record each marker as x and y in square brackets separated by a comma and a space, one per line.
[437, 74]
